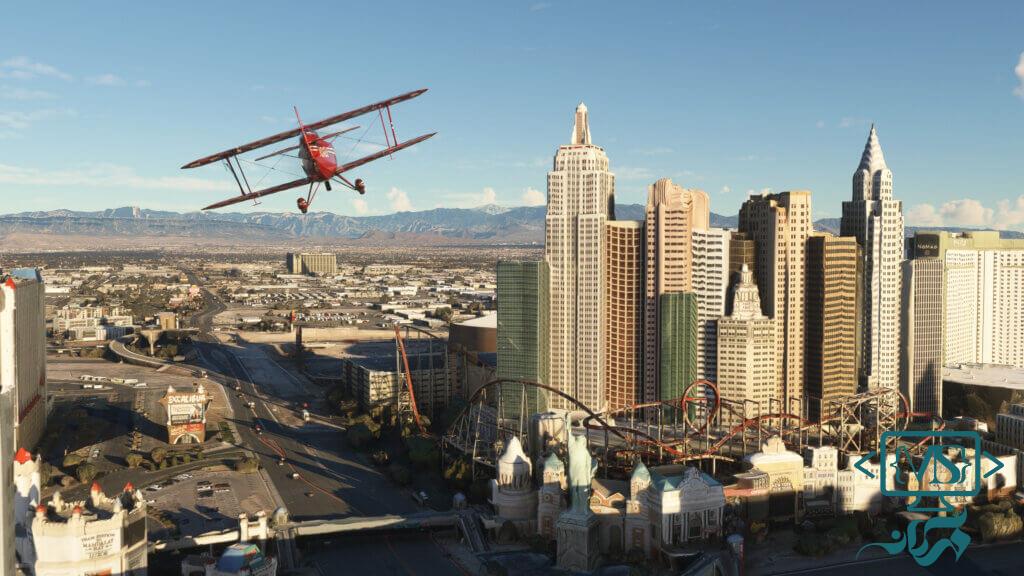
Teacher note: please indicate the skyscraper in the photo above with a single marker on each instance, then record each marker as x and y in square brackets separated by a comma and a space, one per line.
[23, 352]
[710, 250]
[746, 350]
[831, 370]
[742, 250]
[876, 220]
[780, 224]
[581, 198]
[623, 311]
[522, 330]
[323, 264]
[983, 288]
[672, 214]
[921, 373]
[677, 343]
[7, 486]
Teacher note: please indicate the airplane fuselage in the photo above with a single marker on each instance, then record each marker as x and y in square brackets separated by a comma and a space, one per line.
[318, 157]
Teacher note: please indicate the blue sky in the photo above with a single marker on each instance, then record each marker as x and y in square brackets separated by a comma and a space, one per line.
[100, 104]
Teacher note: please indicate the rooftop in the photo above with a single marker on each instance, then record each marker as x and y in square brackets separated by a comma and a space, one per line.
[995, 375]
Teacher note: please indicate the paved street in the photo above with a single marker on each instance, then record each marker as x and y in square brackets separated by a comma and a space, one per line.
[989, 560]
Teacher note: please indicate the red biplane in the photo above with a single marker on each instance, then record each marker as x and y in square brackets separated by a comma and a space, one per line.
[316, 152]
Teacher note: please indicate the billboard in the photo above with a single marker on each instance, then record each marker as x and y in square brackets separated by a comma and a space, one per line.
[186, 414]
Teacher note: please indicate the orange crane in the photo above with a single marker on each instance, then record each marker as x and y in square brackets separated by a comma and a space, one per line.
[408, 380]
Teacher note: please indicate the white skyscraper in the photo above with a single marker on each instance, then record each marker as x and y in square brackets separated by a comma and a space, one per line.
[581, 198]
[710, 279]
[23, 352]
[876, 220]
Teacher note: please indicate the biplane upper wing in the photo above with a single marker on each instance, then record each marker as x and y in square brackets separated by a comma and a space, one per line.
[295, 132]
[260, 193]
[382, 153]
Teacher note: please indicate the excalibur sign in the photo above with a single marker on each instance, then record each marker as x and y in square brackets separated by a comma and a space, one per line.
[946, 469]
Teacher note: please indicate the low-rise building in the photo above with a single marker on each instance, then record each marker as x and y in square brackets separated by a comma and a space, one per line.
[101, 535]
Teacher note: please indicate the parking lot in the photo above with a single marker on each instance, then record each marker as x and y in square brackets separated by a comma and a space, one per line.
[207, 500]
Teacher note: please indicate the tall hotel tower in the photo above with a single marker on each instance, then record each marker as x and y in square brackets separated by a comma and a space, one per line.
[876, 220]
[581, 198]
[780, 225]
[672, 214]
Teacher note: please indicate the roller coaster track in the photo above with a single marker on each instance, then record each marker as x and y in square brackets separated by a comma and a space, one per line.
[851, 422]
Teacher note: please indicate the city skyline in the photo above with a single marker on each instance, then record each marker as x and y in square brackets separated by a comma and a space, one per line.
[742, 136]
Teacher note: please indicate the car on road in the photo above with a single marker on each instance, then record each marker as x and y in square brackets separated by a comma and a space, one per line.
[309, 494]
[280, 461]
[294, 475]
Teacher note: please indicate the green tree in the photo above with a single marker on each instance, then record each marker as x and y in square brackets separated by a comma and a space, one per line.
[85, 472]
[158, 455]
[423, 453]
[71, 460]
[247, 465]
[133, 459]
[400, 474]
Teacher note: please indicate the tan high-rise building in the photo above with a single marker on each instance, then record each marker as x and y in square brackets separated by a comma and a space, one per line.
[876, 220]
[623, 311]
[746, 350]
[780, 224]
[581, 198]
[23, 353]
[319, 264]
[831, 370]
[672, 214]
[922, 337]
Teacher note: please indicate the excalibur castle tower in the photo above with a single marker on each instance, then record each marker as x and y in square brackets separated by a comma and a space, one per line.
[876, 220]
[581, 198]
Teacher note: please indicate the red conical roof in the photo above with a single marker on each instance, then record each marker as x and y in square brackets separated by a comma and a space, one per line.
[22, 456]
[95, 487]
[128, 487]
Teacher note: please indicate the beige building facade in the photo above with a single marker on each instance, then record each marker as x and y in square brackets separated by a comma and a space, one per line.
[581, 199]
[623, 312]
[780, 224]
[672, 214]
[747, 360]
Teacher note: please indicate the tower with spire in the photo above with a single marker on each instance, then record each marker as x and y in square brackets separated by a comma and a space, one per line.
[876, 220]
[581, 198]
[747, 359]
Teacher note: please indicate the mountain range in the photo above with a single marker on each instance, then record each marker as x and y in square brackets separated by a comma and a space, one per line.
[489, 224]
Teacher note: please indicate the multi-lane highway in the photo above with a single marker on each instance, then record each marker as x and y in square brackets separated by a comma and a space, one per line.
[332, 481]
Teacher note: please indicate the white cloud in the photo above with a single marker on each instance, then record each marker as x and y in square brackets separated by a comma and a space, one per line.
[1019, 71]
[23, 120]
[851, 122]
[8, 93]
[360, 206]
[634, 173]
[105, 176]
[472, 199]
[399, 200]
[22, 68]
[107, 79]
[1008, 214]
[725, 190]
[533, 197]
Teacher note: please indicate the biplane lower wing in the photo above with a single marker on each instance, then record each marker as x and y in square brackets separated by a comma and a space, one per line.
[378, 155]
[260, 193]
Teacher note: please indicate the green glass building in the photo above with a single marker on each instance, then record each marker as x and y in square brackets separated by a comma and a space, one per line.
[678, 342]
[522, 334]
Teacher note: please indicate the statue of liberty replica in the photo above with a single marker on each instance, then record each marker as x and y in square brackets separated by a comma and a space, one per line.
[576, 531]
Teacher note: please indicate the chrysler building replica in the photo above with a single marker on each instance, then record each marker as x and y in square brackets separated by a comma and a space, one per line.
[876, 220]
[581, 198]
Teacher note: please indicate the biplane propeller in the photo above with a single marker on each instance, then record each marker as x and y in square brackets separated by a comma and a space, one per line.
[316, 152]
